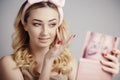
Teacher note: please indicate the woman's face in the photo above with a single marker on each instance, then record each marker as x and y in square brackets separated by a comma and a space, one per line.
[41, 26]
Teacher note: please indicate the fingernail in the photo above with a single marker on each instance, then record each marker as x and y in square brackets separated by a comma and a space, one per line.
[101, 62]
[104, 54]
[116, 55]
[59, 42]
[113, 51]
[74, 36]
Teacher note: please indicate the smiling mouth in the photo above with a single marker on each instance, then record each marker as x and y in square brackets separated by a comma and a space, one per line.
[44, 40]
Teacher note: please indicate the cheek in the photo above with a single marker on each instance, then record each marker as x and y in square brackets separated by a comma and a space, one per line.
[53, 33]
[33, 33]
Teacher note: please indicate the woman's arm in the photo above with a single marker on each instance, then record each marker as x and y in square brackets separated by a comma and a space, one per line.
[48, 61]
[46, 70]
[9, 70]
[73, 73]
[52, 54]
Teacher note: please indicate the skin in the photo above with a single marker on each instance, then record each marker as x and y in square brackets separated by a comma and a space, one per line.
[42, 34]
[110, 63]
[99, 44]
[42, 27]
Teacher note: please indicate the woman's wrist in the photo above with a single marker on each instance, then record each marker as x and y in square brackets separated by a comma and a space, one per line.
[47, 66]
[49, 59]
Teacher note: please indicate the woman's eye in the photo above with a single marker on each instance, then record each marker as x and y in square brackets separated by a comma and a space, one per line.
[37, 24]
[52, 25]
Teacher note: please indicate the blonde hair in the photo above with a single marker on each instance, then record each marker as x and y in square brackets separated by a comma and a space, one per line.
[22, 53]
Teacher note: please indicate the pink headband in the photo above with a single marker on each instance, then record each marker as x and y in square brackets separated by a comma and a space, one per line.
[58, 3]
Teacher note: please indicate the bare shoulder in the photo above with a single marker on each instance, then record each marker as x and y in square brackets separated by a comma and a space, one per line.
[9, 70]
[7, 60]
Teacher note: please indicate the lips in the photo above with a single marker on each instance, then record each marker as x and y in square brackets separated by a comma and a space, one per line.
[44, 40]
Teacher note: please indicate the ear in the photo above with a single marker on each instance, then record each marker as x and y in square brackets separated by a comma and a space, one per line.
[25, 26]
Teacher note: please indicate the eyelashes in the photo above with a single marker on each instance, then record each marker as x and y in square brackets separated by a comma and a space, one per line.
[52, 25]
[36, 24]
[40, 24]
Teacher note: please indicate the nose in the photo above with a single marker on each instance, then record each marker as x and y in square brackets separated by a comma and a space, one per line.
[44, 30]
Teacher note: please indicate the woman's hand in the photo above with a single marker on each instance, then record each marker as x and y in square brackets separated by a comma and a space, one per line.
[60, 45]
[53, 53]
[111, 63]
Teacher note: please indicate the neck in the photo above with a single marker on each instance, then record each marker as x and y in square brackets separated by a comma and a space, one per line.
[39, 52]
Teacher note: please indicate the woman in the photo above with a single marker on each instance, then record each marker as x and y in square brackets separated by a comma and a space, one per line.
[41, 44]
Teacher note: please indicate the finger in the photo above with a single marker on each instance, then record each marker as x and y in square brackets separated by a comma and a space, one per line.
[70, 38]
[63, 33]
[68, 41]
[109, 64]
[110, 70]
[58, 39]
[116, 53]
[58, 34]
[110, 58]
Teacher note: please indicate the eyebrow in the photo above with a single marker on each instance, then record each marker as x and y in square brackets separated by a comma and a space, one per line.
[42, 21]
[37, 20]
[52, 20]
